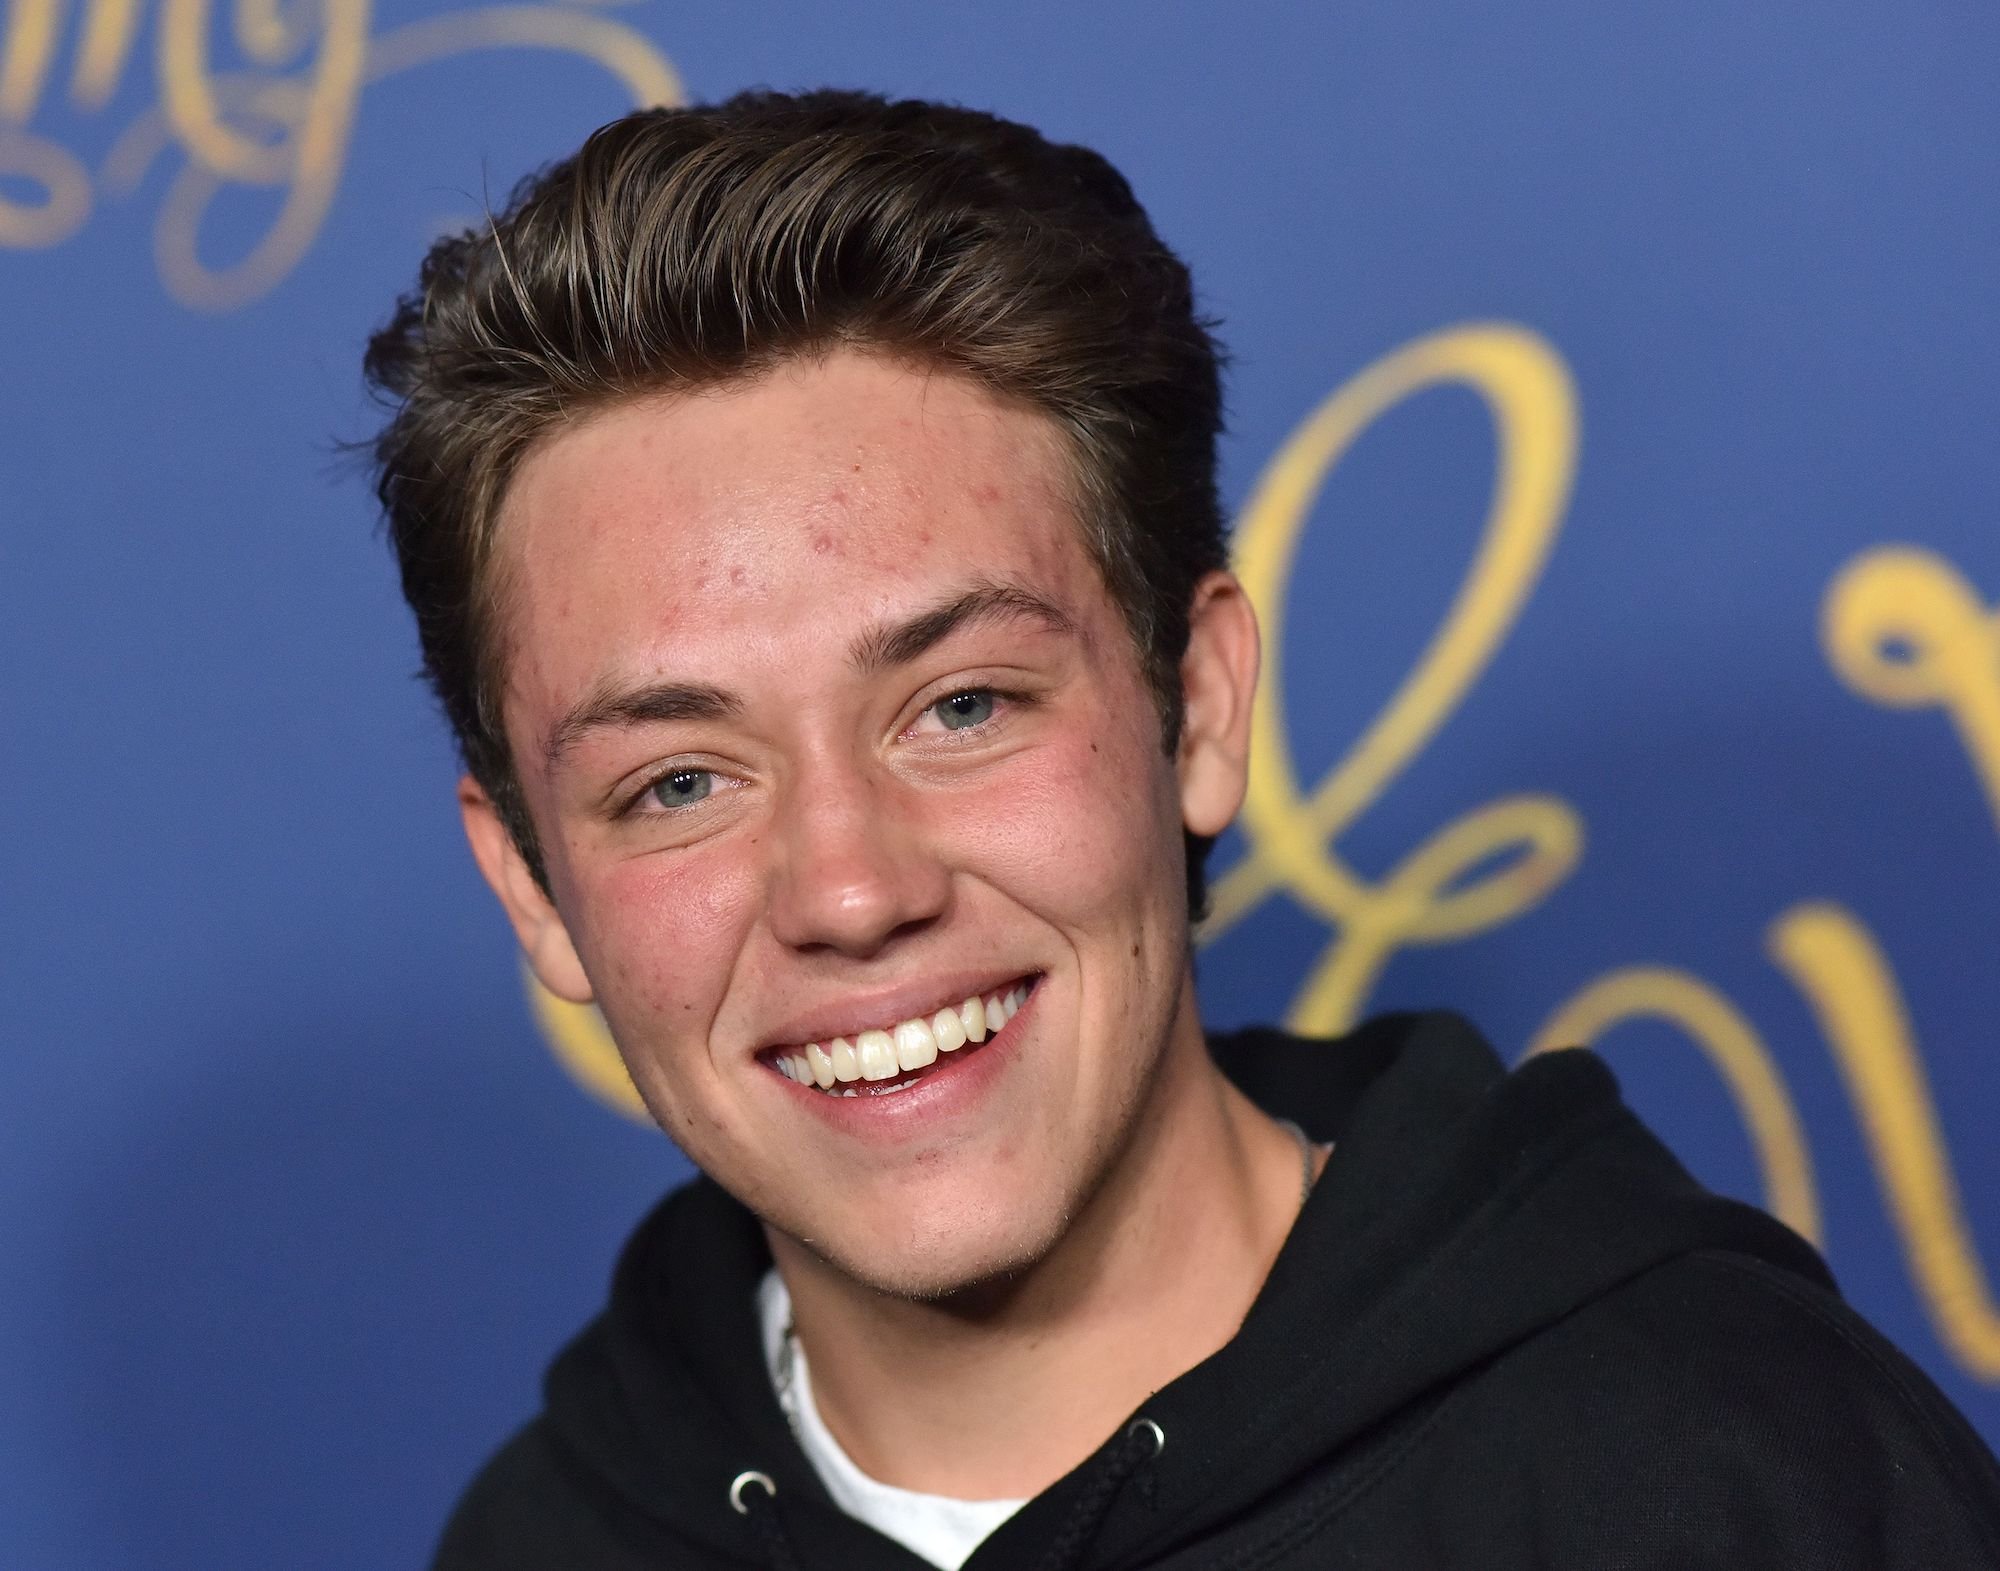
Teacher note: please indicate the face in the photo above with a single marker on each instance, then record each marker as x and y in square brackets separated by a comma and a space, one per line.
[829, 728]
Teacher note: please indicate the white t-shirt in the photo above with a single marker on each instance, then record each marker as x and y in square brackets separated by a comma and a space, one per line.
[942, 1530]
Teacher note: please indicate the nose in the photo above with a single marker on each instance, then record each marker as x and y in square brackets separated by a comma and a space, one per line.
[852, 870]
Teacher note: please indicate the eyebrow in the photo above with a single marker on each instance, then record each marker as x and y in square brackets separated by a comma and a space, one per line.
[878, 649]
[989, 601]
[656, 703]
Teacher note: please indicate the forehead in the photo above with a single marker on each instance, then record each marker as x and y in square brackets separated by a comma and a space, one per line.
[700, 532]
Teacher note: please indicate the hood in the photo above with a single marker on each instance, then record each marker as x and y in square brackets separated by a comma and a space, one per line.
[1464, 1209]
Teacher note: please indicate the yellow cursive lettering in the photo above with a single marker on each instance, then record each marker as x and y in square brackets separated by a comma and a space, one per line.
[1832, 959]
[24, 66]
[108, 38]
[1731, 1045]
[64, 204]
[283, 123]
[1903, 627]
[1525, 845]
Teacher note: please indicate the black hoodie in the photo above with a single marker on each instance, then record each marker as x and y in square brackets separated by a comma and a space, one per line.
[1507, 1330]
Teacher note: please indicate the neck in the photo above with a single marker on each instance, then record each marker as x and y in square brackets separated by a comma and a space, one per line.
[999, 1391]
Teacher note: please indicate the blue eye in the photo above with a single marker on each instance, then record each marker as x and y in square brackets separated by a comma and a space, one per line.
[963, 710]
[682, 787]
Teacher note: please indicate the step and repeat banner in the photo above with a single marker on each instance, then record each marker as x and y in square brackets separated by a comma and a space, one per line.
[1615, 454]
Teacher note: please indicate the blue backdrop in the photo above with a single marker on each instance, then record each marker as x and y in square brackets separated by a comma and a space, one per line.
[1613, 422]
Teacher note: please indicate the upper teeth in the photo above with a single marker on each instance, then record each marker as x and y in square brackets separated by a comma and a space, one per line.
[909, 1044]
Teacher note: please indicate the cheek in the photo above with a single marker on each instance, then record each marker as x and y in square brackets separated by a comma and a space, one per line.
[1085, 827]
[663, 935]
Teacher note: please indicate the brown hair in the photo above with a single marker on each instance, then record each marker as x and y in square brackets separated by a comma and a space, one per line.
[685, 247]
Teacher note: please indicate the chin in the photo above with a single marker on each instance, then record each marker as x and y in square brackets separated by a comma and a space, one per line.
[970, 1263]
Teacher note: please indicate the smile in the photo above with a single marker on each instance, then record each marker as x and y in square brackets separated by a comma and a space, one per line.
[895, 1057]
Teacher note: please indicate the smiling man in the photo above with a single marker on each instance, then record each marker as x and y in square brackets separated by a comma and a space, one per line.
[808, 508]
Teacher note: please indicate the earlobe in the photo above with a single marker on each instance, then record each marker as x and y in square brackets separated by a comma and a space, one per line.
[538, 926]
[1218, 683]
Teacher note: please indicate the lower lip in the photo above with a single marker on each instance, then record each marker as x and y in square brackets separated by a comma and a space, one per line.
[954, 1084]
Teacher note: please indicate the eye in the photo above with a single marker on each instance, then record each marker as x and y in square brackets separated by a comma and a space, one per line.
[962, 711]
[682, 787]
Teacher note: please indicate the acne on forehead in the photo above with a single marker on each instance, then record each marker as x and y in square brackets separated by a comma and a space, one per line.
[812, 457]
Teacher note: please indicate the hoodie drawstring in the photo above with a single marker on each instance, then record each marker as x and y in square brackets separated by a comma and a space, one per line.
[1142, 1441]
[753, 1495]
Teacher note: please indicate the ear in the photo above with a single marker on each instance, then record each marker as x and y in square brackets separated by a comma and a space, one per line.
[537, 925]
[1218, 681]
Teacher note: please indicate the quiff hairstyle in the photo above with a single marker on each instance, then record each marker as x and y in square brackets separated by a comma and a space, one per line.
[684, 248]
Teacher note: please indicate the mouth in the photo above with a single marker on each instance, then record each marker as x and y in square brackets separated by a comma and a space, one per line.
[896, 1055]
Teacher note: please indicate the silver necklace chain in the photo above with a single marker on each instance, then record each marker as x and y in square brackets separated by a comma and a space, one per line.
[1307, 1151]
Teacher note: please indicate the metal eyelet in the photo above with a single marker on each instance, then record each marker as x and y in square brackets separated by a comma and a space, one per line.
[749, 1477]
[1159, 1434]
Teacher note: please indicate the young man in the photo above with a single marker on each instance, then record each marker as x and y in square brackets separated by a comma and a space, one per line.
[808, 508]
